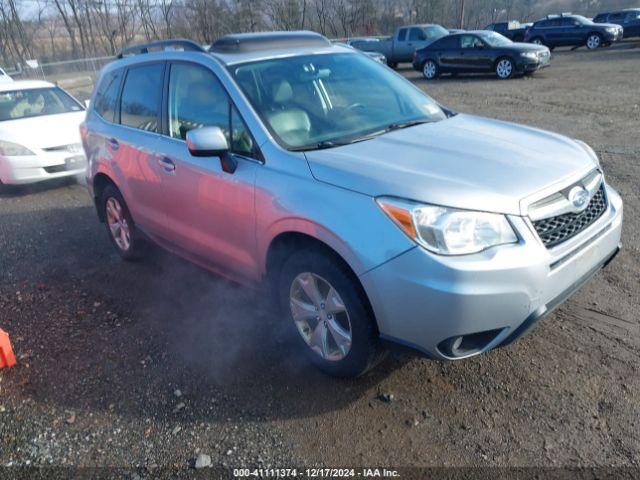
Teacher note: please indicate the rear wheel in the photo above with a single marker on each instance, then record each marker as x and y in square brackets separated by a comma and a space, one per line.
[430, 70]
[319, 296]
[504, 68]
[537, 41]
[594, 41]
[119, 223]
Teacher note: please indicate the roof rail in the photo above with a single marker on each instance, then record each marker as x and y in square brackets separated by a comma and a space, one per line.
[159, 45]
[250, 42]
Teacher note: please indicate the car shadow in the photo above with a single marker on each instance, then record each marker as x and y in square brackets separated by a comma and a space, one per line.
[93, 332]
[7, 191]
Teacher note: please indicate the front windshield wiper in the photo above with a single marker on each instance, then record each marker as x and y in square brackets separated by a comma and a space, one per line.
[389, 128]
[407, 124]
[318, 146]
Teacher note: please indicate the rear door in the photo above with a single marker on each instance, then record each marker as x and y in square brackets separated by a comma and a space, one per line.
[136, 145]
[210, 212]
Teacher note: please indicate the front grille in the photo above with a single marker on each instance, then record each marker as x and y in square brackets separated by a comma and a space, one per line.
[56, 168]
[71, 148]
[555, 230]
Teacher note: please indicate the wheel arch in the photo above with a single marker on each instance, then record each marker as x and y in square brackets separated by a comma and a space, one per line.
[294, 240]
[100, 181]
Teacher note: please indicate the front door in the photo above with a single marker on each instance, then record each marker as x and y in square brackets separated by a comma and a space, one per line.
[210, 212]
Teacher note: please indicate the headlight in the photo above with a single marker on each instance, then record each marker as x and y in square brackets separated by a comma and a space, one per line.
[530, 54]
[589, 151]
[612, 29]
[11, 149]
[448, 231]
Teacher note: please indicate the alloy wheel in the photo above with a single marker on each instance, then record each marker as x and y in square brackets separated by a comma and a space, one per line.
[321, 316]
[430, 69]
[118, 225]
[504, 68]
[593, 42]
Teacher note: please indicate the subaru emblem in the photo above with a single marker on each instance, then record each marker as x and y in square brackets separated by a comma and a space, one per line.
[579, 198]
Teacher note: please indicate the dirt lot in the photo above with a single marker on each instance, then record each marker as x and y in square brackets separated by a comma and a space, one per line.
[145, 365]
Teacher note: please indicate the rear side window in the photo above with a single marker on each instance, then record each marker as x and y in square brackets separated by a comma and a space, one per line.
[107, 95]
[617, 16]
[141, 94]
[446, 43]
[402, 35]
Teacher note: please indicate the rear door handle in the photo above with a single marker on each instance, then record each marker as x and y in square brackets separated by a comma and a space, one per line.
[113, 143]
[167, 165]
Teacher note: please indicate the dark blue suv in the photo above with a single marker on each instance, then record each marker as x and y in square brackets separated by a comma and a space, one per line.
[628, 19]
[572, 31]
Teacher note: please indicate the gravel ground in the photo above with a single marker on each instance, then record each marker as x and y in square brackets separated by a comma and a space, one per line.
[144, 366]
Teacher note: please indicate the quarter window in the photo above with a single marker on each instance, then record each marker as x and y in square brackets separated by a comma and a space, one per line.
[107, 95]
[140, 103]
[197, 99]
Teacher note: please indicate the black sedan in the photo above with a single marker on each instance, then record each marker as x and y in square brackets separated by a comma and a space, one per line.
[480, 52]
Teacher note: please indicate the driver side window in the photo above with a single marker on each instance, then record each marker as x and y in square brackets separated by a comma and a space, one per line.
[469, 41]
[197, 99]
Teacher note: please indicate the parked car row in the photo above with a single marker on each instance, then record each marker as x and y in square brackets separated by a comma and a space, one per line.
[436, 50]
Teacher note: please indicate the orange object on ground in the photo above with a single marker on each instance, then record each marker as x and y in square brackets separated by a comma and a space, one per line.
[7, 358]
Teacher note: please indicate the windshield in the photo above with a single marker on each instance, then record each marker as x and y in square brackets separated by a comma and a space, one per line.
[436, 31]
[320, 101]
[583, 20]
[494, 39]
[35, 102]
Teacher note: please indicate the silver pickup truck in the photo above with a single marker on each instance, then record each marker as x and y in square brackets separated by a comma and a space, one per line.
[401, 47]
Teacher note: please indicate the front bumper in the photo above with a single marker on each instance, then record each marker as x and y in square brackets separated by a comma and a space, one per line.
[422, 300]
[43, 166]
[609, 37]
[529, 65]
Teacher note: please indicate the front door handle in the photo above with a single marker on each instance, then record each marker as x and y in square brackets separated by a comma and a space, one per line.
[167, 165]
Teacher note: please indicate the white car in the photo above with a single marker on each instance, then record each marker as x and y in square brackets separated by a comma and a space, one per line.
[39, 133]
[4, 78]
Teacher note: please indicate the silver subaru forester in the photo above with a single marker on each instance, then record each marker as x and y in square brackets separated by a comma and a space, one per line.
[376, 214]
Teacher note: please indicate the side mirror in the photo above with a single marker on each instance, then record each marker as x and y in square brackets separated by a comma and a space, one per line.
[211, 142]
[86, 103]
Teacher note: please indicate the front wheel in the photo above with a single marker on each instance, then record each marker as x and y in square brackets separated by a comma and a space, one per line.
[594, 41]
[504, 68]
[430, 70]
[322, 301]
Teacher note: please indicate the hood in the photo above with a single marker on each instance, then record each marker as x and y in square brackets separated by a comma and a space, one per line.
[525, 47]
[465, 162]
[608, 25]
[45, 131]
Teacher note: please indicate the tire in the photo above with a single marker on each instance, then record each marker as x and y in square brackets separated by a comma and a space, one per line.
[430, 70]
[392, 65]
[505, 68]
[338, 335]
[119, 223]
[594, 41]
[537, 41]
